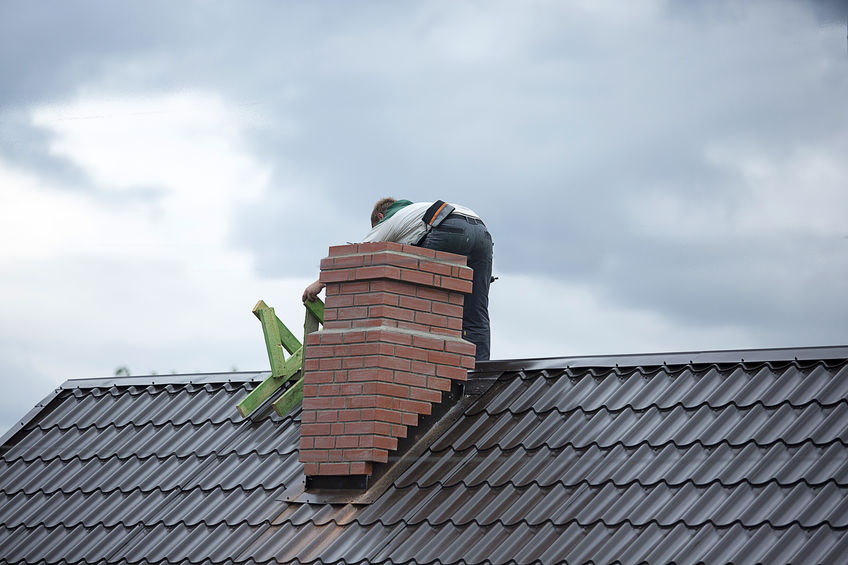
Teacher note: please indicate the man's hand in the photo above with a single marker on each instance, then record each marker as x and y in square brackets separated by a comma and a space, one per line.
[311, 292]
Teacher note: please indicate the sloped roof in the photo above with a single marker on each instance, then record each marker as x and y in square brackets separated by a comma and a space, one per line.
[735, 456]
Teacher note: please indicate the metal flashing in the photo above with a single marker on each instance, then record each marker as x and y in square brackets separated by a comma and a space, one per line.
[672, 358]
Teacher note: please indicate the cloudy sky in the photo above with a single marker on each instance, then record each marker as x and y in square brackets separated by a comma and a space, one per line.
[657, 175]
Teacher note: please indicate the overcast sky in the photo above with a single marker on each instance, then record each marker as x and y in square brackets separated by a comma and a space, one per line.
[657, 176]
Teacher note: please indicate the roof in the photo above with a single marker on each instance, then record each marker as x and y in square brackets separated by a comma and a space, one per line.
[732, 456]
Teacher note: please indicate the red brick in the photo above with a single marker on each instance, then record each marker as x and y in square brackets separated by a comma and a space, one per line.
[438, 383]
[400, 431]
[328, 364]
[390, 336]
[443, 358]
[376, 272]
[327, 416]
[352, 362]
[391, 416]
[451, 283]
[334, 469]
[410, 353]
[371, 323]
[432, 294]
[456, 298]
[422, 251]
[410, 379]
[449, 372]
[338, 301]
[462, 273]
[337, 429]
[460, 347]
[423, 368]
[433, 267]
[455, 323]
[432, 343]
[360, 468]
[370, 348]
[353, 337]
[393, 286]
[409, 419]
[376, 246]
[307, 442]
[372, 298]
[405, 260]
[353, 313]
[313, 455]
[342, 275]
[414, 303]
[415, 406]
[335, 455]
[391, 312]
[336, 325]
[361, 401]
[316, 402]
[342, 262]
[307, 416]
[432, 320]
[343, 442]
[371, 374]
[310, 365]
[391, 389]
[412, 326]
[349, 249]
[468, 362]
[394, 363]
[385, 442]
[366, 454]
[349, 416]
[350, 389]
[310, 469]
[446, 332]
[329, 390]
[315, 429]
[359, 428]
[416, 277]
[425, 394]
[316, 351]
[450, 310]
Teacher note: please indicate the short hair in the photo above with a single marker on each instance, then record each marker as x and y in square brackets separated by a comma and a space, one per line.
[380, 208]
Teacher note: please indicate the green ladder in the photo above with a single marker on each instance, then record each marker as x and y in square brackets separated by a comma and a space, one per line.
[277, 338]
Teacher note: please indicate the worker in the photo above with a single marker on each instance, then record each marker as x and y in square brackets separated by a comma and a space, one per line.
[442, 227]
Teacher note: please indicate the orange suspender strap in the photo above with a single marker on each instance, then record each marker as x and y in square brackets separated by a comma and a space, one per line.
[436, 215]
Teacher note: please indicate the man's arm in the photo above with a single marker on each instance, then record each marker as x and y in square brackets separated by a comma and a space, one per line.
[312, 291]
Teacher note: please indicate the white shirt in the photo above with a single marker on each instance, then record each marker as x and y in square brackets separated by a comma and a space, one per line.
[407, 224]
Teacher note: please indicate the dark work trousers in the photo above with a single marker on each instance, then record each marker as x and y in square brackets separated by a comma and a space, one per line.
[469, 236]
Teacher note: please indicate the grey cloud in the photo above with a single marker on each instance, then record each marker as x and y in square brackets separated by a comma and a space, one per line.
[548, 123]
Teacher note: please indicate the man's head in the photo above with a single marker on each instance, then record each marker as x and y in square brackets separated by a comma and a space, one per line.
[379, 211]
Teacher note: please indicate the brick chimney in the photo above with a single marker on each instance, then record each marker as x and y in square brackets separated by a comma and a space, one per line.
[391, 345]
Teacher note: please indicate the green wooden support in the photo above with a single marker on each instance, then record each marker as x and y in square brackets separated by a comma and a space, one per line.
[294, 395]
[290, 399]
[317, 310]
[273, 336]
[278, 337]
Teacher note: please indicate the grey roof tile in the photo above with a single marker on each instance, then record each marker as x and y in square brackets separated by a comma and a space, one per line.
[627, 459]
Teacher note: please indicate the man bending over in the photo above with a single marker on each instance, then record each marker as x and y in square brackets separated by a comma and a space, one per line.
[461, 231]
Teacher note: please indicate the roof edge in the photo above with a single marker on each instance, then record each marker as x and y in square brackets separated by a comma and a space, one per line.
[776, 354]
[180, 379]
